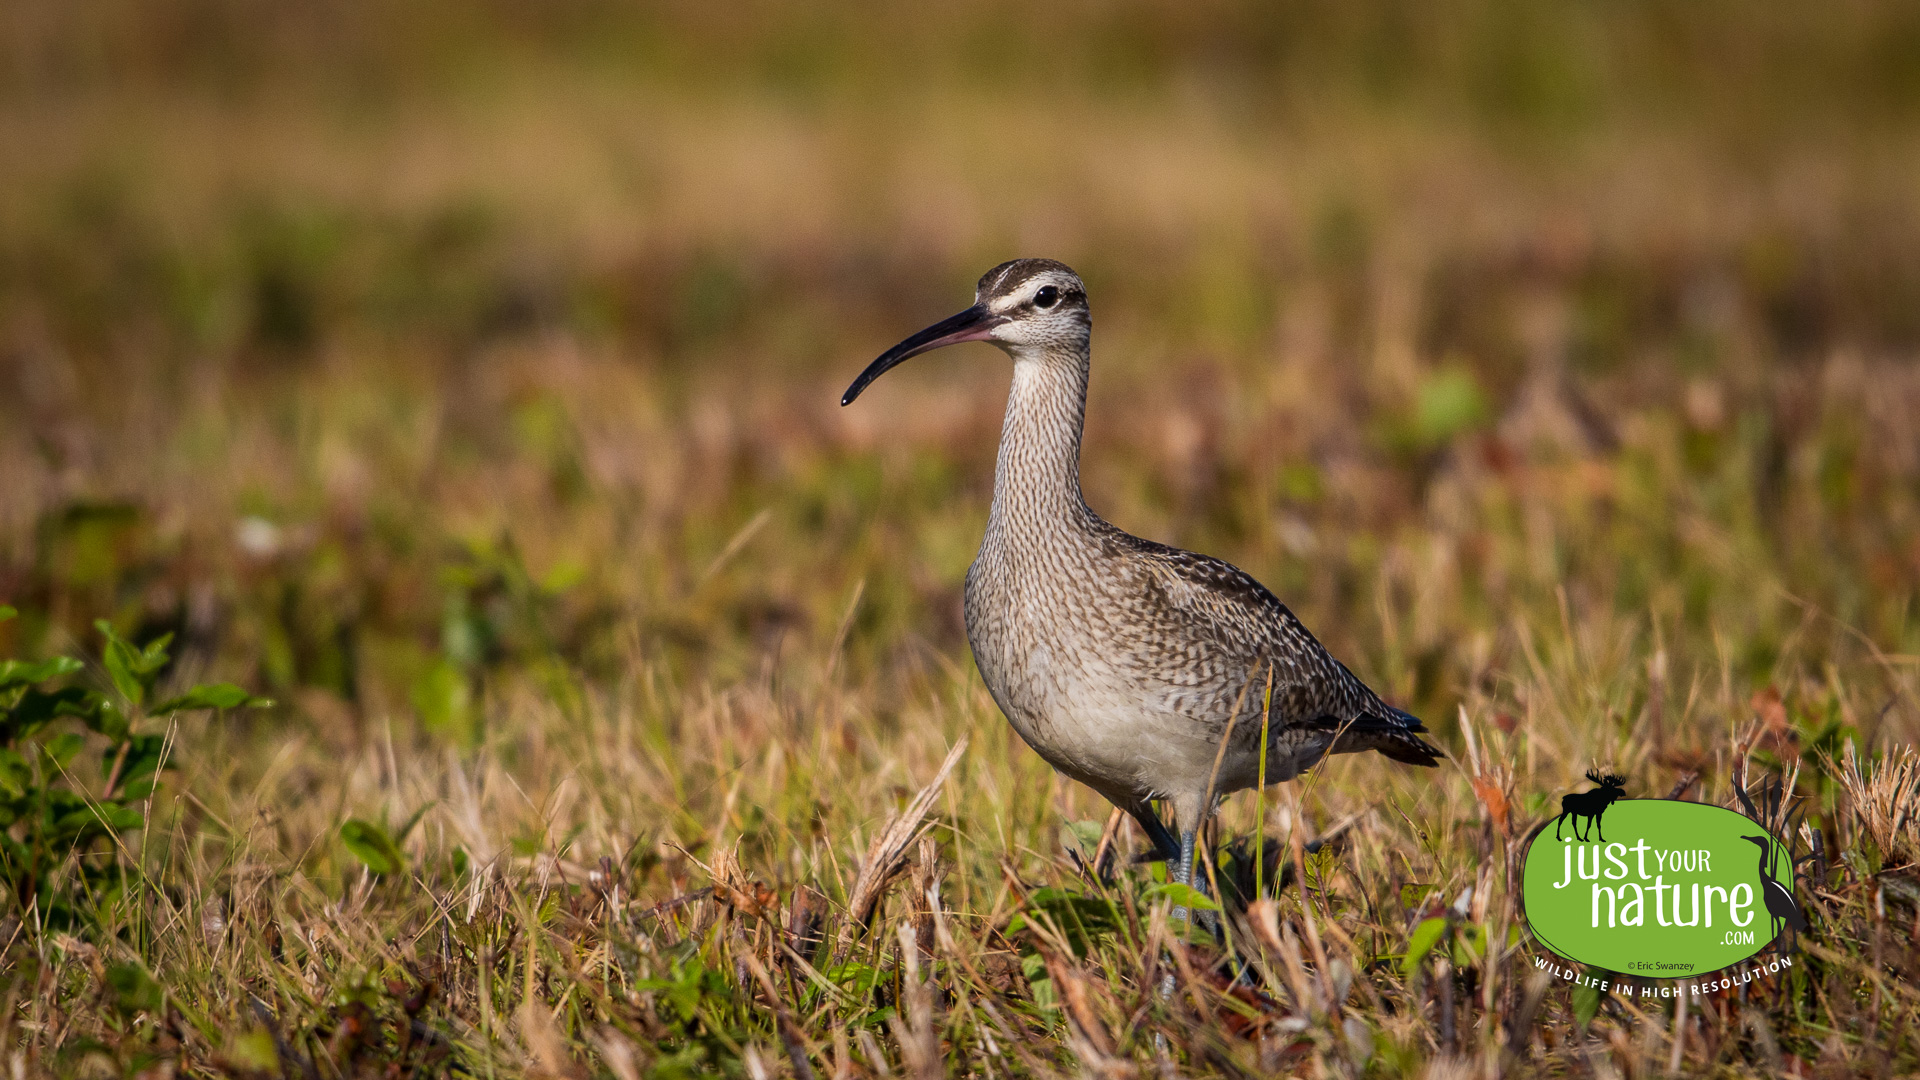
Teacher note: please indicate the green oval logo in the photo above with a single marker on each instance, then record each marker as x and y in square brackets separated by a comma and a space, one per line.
[1657, 888]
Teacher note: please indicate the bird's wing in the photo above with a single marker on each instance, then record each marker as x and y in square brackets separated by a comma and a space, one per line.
[1226, 606]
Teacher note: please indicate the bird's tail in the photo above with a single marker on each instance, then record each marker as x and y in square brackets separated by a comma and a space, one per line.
[1409, 748]
[1395, 734]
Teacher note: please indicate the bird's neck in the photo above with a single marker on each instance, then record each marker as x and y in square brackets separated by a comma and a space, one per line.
[1036, 481]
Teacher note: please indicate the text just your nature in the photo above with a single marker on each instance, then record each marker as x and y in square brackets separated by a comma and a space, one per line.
[1626, 904]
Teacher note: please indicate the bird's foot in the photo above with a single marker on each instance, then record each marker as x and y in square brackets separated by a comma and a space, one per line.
[1210, 922]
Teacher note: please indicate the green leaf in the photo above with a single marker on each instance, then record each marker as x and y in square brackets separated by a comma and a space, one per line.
[110, 720]
[1184, 895]
[133, 670]
[15, 774]
[1469, 945]
[685, 1000]
[140, 770]
[856, 977]
[37, 707]
[213, 696]
[7, 613]
[106, 817]
[64, 746]
[123, 662]
[693, 981]
[371, 845]
[132, 989]
[255, 1052]
[1450, 402]
[143, 758]
[1424, 937]
[1083, 919]
[443, 696]
[1586, 1002]
[137, 790]
[1084, 835]
[154, 656]
[407, 829]
[76, 823]
[17, 672]
[1033, 966]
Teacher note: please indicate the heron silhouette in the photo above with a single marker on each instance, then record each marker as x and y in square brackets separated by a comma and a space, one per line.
[1778, 898]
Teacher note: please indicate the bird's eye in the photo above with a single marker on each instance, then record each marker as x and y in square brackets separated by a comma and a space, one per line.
[1046, 297]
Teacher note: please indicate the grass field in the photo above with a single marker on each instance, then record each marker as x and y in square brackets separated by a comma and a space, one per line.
[465, 380]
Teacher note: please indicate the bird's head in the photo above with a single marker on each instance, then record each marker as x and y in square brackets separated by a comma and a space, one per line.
[1027, 307]
[1764, 843]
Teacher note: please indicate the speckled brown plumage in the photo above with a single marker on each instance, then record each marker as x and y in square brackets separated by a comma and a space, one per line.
[1118, 659]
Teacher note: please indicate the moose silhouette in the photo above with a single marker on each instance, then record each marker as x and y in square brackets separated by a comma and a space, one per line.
[1589, 805]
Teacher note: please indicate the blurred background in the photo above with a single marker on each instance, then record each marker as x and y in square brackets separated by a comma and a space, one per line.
[395, 355]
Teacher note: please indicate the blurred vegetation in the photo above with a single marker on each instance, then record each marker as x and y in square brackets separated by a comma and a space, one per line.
[464, 377]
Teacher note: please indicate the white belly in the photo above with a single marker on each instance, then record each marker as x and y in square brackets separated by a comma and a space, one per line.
[1088, 716]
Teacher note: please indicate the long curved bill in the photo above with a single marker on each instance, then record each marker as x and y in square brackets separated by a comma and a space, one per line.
[973, 324]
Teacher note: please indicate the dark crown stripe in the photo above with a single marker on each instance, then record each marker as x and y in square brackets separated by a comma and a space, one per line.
[1009, 276]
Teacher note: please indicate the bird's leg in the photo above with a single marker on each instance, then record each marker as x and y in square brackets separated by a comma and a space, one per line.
[1191, 877]
[1181, 859]
[1162, 837]
[1180, 912]
[1187, 814]
[1103, 855]
[1185, 876]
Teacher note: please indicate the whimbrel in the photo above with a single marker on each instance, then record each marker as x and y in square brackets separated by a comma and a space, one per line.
[1119, 660]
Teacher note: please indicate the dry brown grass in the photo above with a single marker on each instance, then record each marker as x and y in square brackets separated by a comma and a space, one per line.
[1884, 795]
